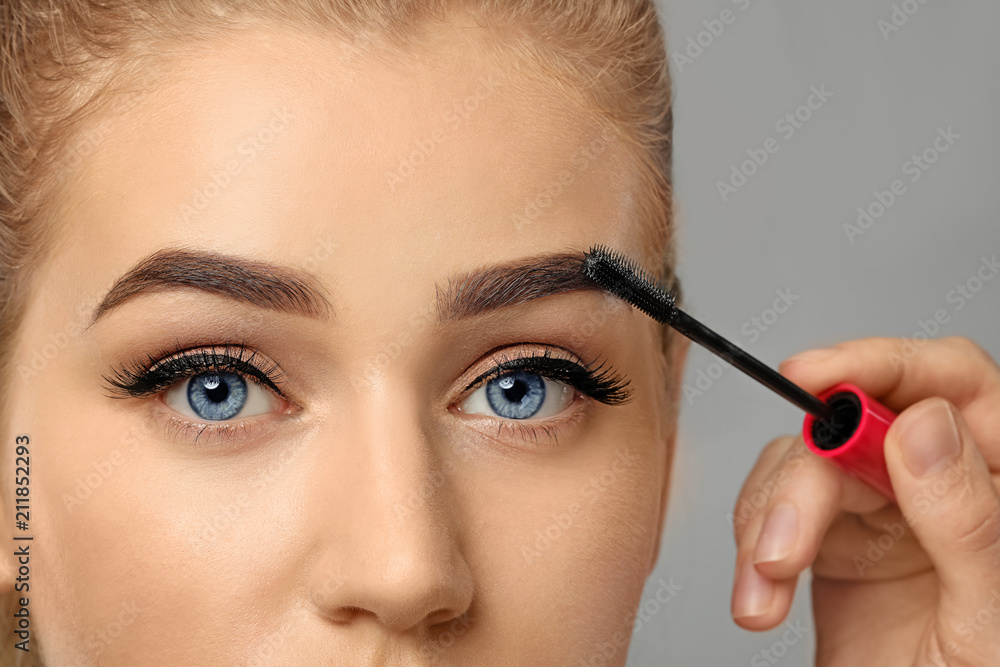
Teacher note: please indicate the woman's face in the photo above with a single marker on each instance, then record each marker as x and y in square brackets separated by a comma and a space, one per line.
[309, 430]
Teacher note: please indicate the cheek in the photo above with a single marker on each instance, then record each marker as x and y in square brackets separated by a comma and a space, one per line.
[139, 545]
[609, 560]
[573, 550]
[79, 468]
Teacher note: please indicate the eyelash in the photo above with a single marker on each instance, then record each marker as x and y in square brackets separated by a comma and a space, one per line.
[599, 383]
[592, 380]
[143, 379]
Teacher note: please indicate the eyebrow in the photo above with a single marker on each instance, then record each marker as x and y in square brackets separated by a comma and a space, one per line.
[286, 290]
[258, 283]
[511, 284]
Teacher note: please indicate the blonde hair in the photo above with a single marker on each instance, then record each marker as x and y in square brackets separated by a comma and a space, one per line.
[62, 61]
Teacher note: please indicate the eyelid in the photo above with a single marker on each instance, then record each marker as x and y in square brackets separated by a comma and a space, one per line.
[223, 437]
[132, 380]
[549, 430]
[491, 365]
[142, 379]
[602, 384]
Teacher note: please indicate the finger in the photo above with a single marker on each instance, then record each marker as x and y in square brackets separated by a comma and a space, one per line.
[950, 500]
[877, 546]
[758, 602]
[901, 371]
[785, 471]
[768, 473]
[801, 512]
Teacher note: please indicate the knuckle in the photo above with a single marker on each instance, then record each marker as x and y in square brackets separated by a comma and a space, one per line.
[983, 534]
[797, 450]
[770, 473]
[775, 448]
[966, 347]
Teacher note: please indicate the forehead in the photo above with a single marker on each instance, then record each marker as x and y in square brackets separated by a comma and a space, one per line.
[280, 146]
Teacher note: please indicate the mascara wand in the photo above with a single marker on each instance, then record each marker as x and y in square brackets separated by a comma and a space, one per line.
[843, 423]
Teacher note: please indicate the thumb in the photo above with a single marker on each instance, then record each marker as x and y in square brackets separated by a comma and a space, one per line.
[944, 488]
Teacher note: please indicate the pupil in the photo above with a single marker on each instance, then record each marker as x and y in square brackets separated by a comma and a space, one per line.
[515, 391]
[518, 395]
[215, 390]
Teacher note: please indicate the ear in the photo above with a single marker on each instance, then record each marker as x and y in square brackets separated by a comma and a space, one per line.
[679, 345]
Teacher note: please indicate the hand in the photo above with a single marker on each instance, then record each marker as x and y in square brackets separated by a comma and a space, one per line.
[916, 584]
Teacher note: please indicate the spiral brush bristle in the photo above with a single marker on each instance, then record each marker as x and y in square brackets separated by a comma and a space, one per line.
[630, 282]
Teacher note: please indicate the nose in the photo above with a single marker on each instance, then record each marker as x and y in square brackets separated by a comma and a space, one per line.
[391, 545]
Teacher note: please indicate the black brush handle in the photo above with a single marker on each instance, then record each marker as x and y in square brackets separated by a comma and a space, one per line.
[750, 365]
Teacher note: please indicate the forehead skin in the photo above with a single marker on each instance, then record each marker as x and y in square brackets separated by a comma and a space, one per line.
[382, 180]
[440, 148]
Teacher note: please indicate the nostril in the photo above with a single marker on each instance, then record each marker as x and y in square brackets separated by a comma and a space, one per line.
[347, 614]
[446, 626]
[441, 616]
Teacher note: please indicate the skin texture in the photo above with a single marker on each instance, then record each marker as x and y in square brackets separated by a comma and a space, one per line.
[365, 520]
[912, 584]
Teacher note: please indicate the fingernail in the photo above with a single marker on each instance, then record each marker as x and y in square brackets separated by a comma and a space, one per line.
[813, 355]
[930, 440]
[777, 537]
[753, 595]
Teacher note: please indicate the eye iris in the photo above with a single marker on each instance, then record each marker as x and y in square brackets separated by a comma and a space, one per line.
[217, 396]
[516, 396]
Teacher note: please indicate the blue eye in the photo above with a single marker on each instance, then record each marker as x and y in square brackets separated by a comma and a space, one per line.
[519, 395]
[218, 396]
[516, 396]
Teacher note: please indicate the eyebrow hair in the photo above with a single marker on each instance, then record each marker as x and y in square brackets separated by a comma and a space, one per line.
[511, 284]
[287, 290]
[258, 283]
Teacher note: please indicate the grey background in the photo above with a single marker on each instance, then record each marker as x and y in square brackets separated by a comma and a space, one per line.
[784, 230]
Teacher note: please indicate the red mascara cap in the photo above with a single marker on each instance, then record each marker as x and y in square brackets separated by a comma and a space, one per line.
[855, 439]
